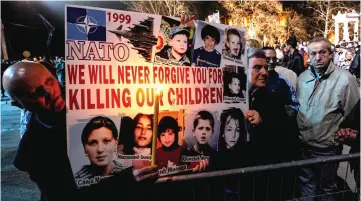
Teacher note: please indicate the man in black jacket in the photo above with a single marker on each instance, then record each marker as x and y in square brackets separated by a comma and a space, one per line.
[295, 59]
[42, 151]
[355, 66]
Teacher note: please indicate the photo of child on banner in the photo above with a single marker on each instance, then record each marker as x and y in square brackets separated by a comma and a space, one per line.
[207, 46]
[174, 43]
[136, 141]
[235, 84]
[201, 137]
[234, 46]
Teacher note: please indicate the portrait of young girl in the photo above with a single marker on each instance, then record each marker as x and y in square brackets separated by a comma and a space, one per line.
[169, 154]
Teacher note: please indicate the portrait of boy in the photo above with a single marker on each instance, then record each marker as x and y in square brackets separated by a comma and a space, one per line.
[176, 50]
[207, 55]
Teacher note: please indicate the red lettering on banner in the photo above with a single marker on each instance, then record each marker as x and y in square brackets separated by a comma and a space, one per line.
[127, 75]
[174, 76]
[213, 95]
[73, 102]
[93, 72]
[82, 99]
[170, 94]
[126, 98]
[146, 75]
[140, 97]
[121, 74]
[155, 75]
[220, 95]
[106, 98]
[99, 104]
[150, 94]
[88, 95]
[198, 95]
[166, 75]
[115, 98]
[72, 72]
[205, 96]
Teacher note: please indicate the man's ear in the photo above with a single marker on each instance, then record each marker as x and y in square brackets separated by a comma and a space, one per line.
[16, 104]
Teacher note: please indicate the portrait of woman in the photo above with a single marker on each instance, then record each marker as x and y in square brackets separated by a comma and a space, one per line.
[100, 140]
[169, 154]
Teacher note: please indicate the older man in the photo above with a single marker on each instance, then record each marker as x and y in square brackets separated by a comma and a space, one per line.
[326, 95]
[42, 151]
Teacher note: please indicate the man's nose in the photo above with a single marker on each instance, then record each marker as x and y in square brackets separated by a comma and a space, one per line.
[263, 71]
[318, 57]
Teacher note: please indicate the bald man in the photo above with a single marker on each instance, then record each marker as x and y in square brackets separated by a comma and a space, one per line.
[31, 86]
[42, 150]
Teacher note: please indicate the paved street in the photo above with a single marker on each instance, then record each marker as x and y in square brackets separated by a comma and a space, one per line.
[16, 185]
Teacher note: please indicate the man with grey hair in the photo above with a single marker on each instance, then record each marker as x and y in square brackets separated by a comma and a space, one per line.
[273, 133]
[326, 95]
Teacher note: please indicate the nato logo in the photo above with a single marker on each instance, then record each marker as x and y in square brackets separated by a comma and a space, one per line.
[86, 24]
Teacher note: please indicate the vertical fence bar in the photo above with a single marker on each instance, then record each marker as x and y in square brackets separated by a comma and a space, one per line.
[321, 180]
[357, 191]
[254, 181]
[344, 185]
[281, 187]
[267, 188]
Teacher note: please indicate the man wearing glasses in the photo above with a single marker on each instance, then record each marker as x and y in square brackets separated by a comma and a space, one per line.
[280, 85]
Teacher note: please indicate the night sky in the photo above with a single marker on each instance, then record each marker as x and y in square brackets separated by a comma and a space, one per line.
[34, 39]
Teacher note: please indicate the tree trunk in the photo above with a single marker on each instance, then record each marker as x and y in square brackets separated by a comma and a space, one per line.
[325, 33]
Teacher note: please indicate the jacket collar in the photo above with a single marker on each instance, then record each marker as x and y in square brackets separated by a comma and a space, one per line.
[331, 67]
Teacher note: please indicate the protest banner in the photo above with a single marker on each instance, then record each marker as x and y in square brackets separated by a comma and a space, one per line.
[117, 60]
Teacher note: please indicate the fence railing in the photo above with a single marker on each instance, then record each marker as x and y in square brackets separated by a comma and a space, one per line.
[267, 182]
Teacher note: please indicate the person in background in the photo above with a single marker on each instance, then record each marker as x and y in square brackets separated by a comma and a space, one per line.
[295, 60]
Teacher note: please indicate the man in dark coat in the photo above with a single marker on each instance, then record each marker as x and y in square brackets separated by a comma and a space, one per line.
[295, 59]
[42, 151]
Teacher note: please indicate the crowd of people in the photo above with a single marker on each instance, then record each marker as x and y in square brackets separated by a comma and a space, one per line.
[298, 110]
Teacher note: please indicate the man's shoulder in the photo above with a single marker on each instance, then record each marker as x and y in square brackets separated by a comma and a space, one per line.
[305, 75]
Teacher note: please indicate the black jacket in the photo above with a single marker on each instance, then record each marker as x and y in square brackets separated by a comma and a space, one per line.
[295, 63]
[275, 139]
[42, 153]
[355, 65]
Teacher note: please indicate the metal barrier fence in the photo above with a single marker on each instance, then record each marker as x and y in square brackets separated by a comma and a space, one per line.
[267, 183]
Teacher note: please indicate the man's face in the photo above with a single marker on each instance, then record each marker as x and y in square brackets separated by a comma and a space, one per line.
[40, 91]
[203, 132]
[231, 132]
[259, 73]
[143, 132]
[101, 147]
[179, 43]
[348, 55]
[271, 58]
[287, 48]
[167, 138]
[209, 43]
[320, 56]
[234, 44]
[235, 86]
